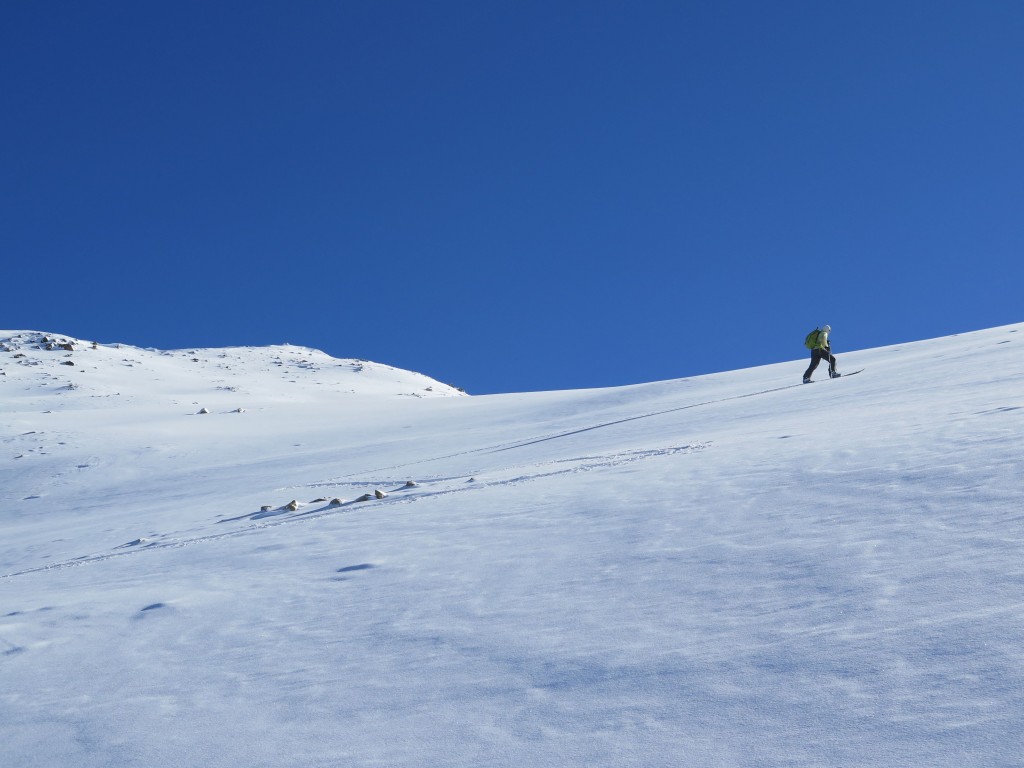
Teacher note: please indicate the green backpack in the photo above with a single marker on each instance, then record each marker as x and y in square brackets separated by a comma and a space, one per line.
[811, 342]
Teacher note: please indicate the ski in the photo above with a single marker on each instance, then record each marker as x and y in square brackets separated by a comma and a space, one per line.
[841, 376]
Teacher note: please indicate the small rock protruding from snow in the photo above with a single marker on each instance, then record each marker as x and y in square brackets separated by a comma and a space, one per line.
[204, 410]
[336, 502]
[411, 483]
[292, 505]
[380, 494]
[365, 497]
[239, 410]
[265, 508]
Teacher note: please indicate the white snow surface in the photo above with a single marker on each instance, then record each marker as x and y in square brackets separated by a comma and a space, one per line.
[728, 570]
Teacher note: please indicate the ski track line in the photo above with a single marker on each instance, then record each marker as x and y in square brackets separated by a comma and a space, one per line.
[616, 461]
[499, 447]
[636, 418]
[608, 460]
[597, 462]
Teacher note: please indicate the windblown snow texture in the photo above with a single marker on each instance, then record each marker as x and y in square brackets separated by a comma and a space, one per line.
[730, 570]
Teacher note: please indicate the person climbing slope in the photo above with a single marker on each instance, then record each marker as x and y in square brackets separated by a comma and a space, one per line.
[817, 341]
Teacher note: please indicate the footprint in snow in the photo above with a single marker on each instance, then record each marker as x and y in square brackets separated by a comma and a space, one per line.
[352, 568]
[149, 610]
[133, 543]
[1004, 409]
[360, 567]
[12, 649]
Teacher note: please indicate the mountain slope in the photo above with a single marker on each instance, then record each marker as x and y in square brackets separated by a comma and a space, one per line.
[734, 569]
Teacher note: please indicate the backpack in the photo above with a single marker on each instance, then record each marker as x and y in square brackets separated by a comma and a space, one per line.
[811, 342]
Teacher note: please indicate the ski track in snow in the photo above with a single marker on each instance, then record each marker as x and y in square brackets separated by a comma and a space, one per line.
[281, 516]
[508, 446]
[585, 464]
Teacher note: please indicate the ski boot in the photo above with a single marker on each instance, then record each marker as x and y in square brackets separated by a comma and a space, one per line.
[834, 374]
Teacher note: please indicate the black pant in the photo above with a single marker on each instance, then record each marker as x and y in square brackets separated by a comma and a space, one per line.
[817, 355]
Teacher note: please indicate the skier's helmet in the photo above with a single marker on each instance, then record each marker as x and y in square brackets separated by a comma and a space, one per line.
[827, 328]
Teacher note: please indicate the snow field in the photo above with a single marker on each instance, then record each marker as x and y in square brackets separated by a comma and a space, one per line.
[730, 570]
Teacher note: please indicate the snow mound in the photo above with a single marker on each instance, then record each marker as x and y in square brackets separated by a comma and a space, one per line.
[36, 366]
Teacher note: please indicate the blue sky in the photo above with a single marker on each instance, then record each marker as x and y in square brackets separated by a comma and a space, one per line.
[513, 196]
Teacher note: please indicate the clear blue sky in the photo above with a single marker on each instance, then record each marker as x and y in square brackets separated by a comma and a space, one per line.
[513, 195]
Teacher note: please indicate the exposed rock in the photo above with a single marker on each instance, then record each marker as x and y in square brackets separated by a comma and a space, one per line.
[365, 497]
[292, 505]
[411, 483]
[68, 362]
[317, 501]
[337, 502]
[204, 410]
[265, 508]
[379, 494]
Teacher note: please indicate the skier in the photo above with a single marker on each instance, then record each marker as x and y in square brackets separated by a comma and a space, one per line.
[818, 342]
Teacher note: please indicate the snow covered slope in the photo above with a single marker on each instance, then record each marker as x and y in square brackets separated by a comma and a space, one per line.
[730, 570]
